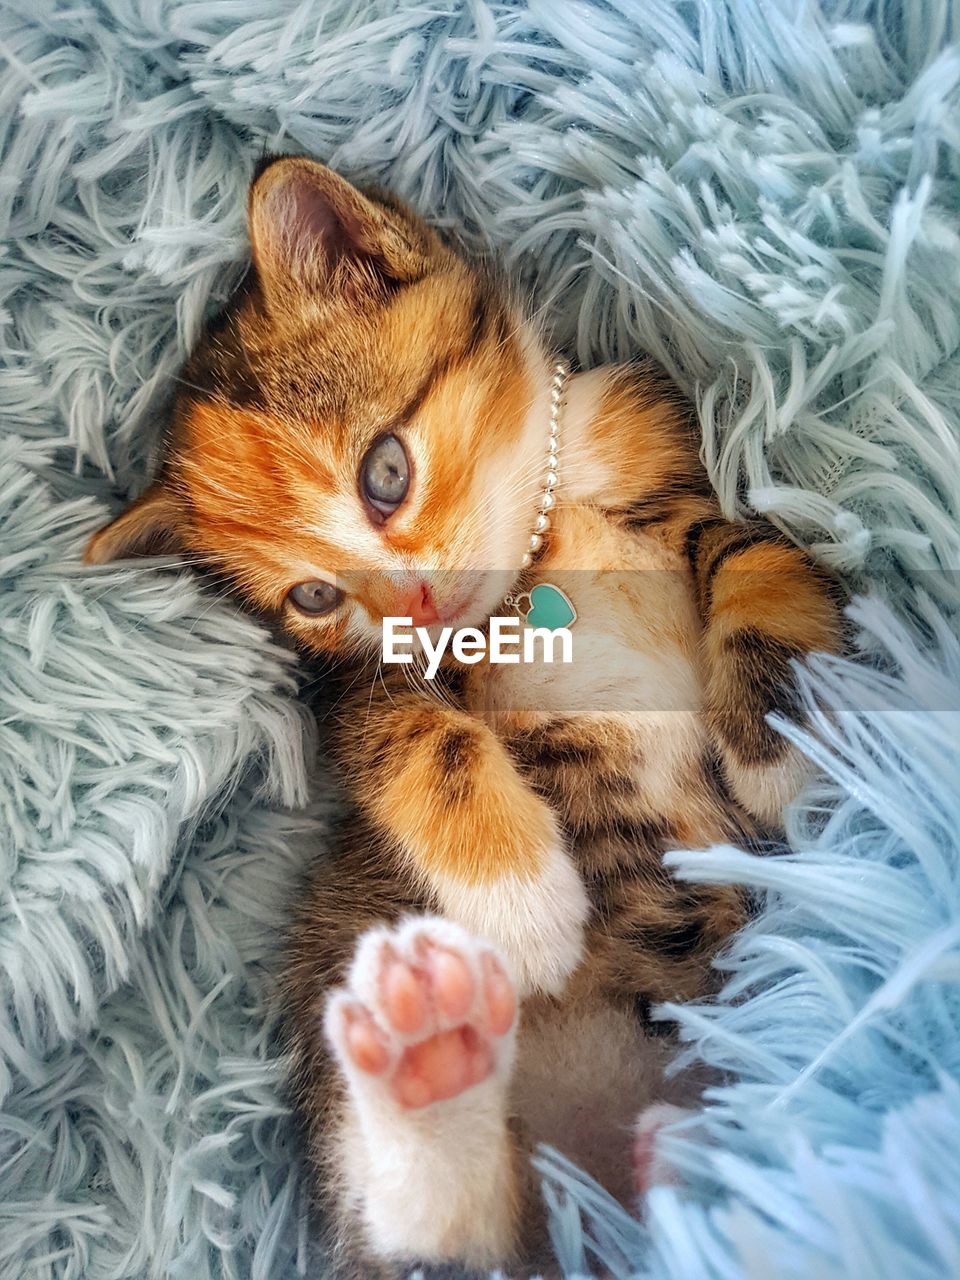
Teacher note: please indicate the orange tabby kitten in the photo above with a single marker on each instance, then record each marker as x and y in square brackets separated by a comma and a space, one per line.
[363, 433]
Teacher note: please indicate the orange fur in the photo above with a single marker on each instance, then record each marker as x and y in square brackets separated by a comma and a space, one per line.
[446, 791]
[770, 585]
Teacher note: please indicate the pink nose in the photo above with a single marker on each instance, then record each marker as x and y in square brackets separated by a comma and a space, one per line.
[419, 606]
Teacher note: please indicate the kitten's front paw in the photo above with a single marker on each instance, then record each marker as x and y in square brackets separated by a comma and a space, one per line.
[537, 921]
[423, 1031]
[427, 1013]
[765, 790]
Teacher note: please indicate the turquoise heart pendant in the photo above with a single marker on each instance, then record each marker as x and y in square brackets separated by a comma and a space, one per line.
[550, 608]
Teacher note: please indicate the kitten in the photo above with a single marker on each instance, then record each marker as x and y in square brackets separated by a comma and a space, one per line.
[362, 433]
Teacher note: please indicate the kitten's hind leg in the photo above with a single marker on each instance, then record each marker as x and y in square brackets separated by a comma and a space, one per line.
[423, 1032]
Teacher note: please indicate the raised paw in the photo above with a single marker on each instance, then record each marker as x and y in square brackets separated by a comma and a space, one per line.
[426, 1014]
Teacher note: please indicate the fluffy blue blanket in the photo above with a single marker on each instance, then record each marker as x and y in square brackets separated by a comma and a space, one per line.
[765, 194]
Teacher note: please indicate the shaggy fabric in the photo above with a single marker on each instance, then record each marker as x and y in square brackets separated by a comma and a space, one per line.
[764, 194]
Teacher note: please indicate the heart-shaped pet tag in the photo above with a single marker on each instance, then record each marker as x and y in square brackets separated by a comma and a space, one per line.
[550, 608]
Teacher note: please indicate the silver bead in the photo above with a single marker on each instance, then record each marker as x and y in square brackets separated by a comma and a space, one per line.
[551, 479]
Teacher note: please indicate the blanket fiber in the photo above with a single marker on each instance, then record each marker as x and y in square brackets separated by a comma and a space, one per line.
[765, 194]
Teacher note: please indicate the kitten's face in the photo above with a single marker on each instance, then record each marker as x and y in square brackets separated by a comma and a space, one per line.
[359, 433]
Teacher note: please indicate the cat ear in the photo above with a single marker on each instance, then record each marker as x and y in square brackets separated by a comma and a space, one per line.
[146, 528]
[312, 231]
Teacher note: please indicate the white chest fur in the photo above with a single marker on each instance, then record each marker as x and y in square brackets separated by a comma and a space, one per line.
[636, 650]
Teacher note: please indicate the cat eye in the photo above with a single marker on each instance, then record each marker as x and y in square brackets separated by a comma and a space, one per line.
[314, 598]
[385, 475]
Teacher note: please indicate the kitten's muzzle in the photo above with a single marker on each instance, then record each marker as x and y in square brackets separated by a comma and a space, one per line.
[418, 605]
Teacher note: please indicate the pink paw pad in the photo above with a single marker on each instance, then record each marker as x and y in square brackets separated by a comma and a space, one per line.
[649, 1167]
[426, 1008]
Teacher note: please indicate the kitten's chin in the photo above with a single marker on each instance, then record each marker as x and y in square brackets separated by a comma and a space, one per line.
[483, 591]
[486, 600]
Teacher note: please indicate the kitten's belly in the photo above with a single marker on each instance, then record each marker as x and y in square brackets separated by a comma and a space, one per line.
[585, 1069]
